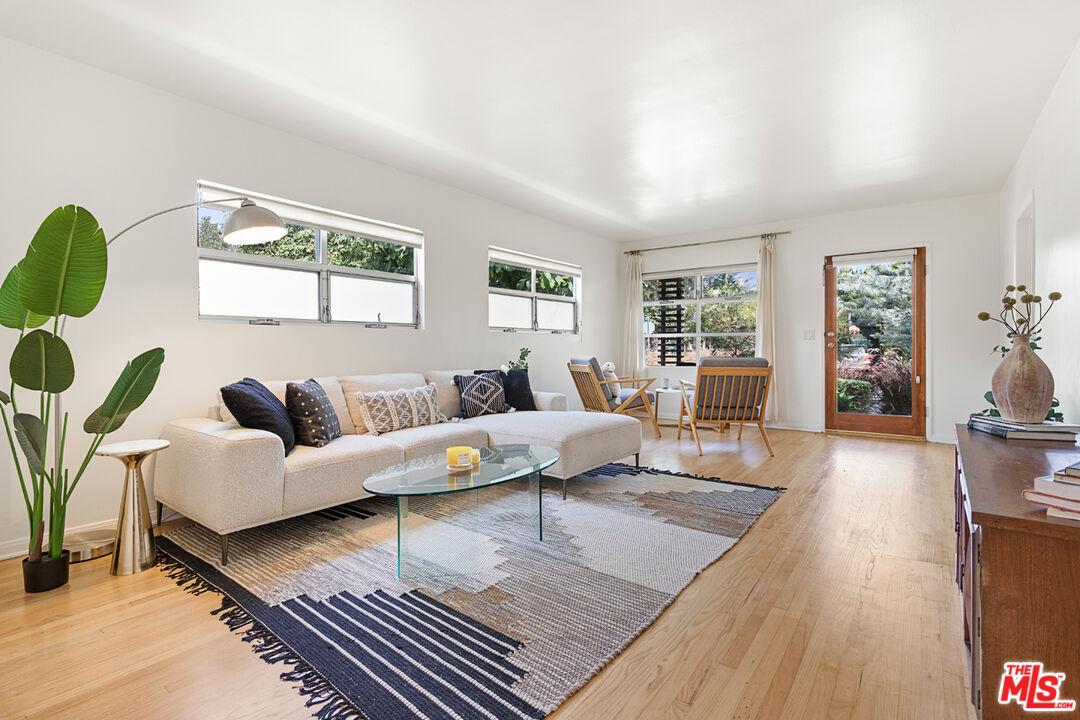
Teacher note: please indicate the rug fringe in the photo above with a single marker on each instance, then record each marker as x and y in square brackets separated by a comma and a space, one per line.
[609, 470]
[333, 705]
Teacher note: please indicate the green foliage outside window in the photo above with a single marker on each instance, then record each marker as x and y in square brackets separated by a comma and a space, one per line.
[509, 277]
[855, 396]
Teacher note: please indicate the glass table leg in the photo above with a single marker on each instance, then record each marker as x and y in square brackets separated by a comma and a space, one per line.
[402, 532]
[536, 490]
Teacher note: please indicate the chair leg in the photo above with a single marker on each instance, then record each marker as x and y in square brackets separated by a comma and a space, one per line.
[682, 409]
[160, 513]
[761, 427]
[225, 549]
[740, 431]
[697, 438]
[652, 414]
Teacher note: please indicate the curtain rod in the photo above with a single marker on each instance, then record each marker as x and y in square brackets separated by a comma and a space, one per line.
[704, 242]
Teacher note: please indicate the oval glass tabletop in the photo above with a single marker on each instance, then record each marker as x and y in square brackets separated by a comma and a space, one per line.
[429, 476]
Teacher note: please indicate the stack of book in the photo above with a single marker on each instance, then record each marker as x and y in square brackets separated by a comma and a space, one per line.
[1059, 493]
[1055, 431]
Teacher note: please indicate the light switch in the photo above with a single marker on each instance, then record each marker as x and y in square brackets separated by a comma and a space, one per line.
[807, 334]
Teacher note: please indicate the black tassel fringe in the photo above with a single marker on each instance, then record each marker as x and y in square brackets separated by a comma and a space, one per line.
[332, 705]
[613, 469]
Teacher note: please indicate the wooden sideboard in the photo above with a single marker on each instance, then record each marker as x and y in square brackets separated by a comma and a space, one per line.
[1018, 570]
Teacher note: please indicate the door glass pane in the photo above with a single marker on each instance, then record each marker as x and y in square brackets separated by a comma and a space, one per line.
[670, 351]
[509, 311]
[229, 288]
[552, 315]
[874, 331]
[661, 319]
[356, 299]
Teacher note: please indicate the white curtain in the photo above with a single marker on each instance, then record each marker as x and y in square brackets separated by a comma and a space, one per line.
[766, 336]
[632, 360]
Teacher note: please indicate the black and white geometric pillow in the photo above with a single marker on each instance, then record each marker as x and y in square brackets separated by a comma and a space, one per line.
[313, 417]
[389, 410]
[482, 394]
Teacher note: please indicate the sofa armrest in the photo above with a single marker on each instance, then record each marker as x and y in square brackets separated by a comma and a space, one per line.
[549, 401]
[221, 475]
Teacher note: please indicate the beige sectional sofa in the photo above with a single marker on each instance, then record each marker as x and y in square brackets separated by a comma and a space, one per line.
[229, 478]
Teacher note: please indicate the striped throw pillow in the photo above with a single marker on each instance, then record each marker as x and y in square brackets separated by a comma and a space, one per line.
[389, 410]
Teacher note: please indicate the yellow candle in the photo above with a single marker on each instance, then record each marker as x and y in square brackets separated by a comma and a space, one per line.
[475, 456]
[459, 455]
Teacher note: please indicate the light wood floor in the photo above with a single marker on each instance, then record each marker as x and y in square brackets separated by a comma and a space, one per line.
[839, 603]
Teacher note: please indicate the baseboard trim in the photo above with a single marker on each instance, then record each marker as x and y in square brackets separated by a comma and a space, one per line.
[873, 435]
[17, 547]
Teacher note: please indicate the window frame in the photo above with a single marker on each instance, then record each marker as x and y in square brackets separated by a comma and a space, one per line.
[698, 303]
[536, 295]
[320, 265]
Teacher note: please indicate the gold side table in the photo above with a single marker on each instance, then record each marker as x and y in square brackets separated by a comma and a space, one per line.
[134, 549]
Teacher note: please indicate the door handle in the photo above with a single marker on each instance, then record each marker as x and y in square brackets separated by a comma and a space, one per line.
[832, 344]
[918, 379]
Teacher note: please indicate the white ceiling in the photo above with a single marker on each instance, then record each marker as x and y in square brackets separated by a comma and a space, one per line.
[626, 117]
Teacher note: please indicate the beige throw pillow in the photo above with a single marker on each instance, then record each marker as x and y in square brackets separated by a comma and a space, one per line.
[390, 410]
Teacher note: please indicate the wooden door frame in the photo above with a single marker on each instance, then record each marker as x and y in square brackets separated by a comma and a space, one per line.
[915, 425]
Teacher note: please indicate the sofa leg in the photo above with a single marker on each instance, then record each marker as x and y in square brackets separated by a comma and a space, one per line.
[637, 460]
[160, 513]
[564, 489]
[225, 549]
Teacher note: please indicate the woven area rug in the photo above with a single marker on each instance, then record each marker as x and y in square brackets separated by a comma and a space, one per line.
[529, 624]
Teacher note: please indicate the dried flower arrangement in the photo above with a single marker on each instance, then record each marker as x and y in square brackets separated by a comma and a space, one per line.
[1023, 315]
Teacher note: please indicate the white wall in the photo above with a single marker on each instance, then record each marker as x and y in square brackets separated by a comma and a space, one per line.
[961, 240]
[1048, 170]
[73, 134]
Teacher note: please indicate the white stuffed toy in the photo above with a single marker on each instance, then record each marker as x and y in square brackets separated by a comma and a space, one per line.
[608, 369]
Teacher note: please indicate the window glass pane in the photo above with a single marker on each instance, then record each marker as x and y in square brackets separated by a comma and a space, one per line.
[550, 283]
[728, 346]
[355, 299]
[670, 319]
[229, 288]
[509, 311]
[359, 252]
[553, 315]
[729, 284]
[298, 244]
[509, 277]
[729, 317]
[669, 289]
[670, 351]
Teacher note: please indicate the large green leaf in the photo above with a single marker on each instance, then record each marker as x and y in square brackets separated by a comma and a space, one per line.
[42, 361]
[31, 433]
[129, 392]
[13, 313]
[64, 270]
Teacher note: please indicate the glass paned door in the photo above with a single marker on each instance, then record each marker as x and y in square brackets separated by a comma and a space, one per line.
[874, 342]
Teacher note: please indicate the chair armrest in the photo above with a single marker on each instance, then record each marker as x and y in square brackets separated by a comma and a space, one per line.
[221, 475]
[549, 401]
[687, 383]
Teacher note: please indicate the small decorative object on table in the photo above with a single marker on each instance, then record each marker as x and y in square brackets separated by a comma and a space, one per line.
[460, 458]
[1023, 385]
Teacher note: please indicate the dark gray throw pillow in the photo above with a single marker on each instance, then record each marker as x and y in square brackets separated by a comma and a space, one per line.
[254, 406]
[481, 394]
[313, 417]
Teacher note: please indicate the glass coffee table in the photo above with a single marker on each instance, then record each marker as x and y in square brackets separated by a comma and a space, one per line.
[439, 542]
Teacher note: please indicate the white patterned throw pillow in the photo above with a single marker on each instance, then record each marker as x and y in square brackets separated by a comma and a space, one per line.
[389, 410]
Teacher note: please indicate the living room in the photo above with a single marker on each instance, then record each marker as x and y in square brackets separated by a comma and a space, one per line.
[594, 151]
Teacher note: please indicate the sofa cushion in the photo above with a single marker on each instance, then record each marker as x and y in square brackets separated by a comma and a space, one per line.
[312, 415]
[432, 439]
[626, 393]
[481, 394]
[584, 440]
[329, 384]
[447, 391]
[352, 384]
[254, 406]
[593, 363]
[389, 410]
[316, 478]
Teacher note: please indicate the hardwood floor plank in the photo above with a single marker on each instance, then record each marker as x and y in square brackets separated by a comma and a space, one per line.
[838, 603]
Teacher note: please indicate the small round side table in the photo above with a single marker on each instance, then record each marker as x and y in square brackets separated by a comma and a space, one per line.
[134, 549]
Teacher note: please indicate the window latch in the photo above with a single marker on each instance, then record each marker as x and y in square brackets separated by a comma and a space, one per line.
[378, 323]
[263, 321]
[509, 329]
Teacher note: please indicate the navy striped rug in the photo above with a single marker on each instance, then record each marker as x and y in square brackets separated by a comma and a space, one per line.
[319, 594]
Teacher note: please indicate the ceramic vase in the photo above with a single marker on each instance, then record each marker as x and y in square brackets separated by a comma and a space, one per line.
[1023, 386]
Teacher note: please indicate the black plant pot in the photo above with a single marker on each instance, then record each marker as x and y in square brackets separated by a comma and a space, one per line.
[48, 574]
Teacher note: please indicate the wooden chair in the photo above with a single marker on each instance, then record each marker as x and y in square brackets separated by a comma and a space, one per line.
[726, 395]
[591, 390]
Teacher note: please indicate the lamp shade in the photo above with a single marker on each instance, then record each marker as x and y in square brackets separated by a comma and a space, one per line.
[250, 224]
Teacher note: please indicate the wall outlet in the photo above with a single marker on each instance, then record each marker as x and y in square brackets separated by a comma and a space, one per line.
[807, 334]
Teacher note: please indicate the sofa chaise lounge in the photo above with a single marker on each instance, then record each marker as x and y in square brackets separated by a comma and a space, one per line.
[229, 478]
